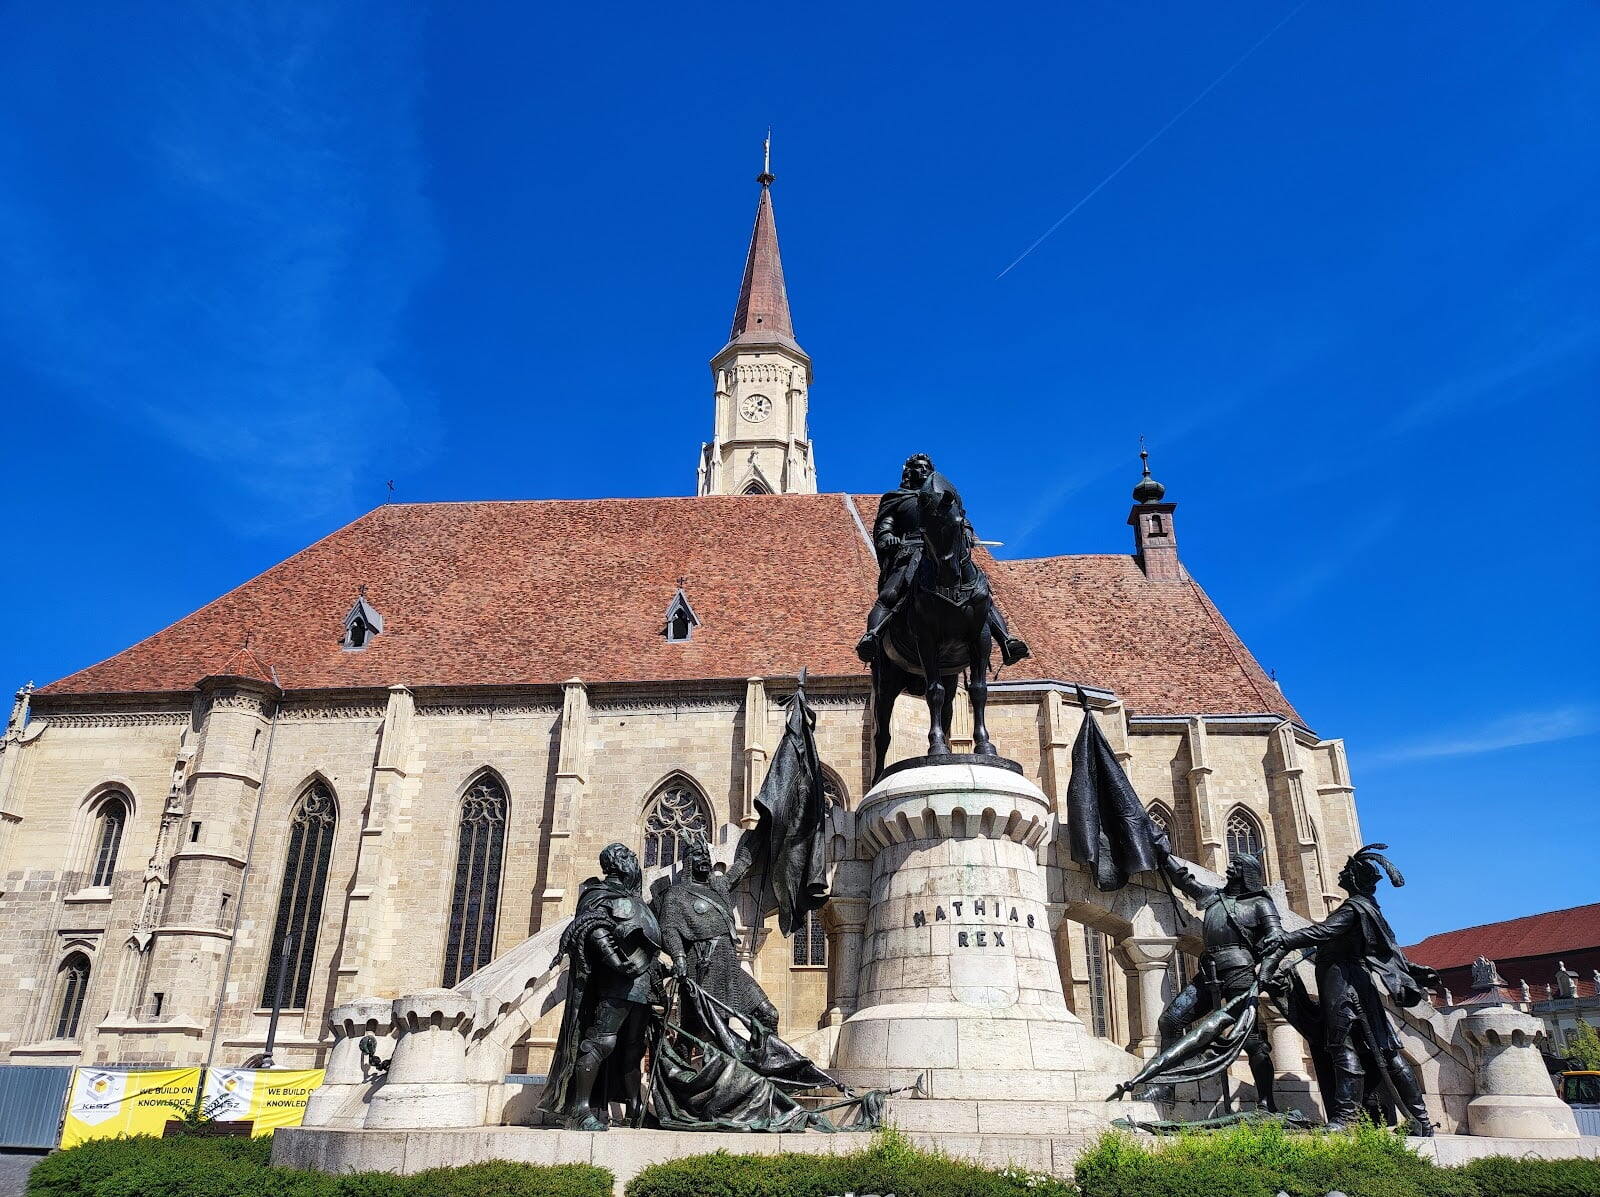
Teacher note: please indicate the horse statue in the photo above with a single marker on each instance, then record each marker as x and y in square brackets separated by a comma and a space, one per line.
[935, 617]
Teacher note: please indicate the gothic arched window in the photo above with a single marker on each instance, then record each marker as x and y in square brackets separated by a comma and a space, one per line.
[1162, 818]
[810, 941]
[833, 791]
[72, 985]
[674, 817]
[1244, 838]
[305, 880]
[475, 900]
[110, 817]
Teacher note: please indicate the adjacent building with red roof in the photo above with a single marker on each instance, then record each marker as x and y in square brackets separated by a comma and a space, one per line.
[1547, 964]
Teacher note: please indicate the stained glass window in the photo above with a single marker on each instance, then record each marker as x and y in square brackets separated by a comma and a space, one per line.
[1243, 835]
[74, 983]
[810, 941]
[475, 900]
[676, 817]
[110, 818]
[305, 881]
[1094, 945]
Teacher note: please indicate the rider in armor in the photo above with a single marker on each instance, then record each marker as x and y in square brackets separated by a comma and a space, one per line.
[897, 538]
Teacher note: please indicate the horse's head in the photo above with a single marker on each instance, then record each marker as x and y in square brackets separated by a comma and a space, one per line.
[944, 526]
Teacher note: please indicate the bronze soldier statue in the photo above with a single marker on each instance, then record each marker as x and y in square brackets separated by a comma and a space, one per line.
[1237, 920]
[897, 538]
[613, 947]
[697, 930]
[1350, 945]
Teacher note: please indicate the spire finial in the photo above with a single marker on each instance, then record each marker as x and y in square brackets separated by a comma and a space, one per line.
[1148, 490]
[766, 176]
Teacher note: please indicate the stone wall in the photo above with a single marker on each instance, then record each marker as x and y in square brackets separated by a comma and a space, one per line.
[579, 765]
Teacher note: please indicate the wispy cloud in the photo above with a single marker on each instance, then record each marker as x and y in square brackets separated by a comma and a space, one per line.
[228, 262]
[1547, 354]
[1343, 551]
[1519, 730]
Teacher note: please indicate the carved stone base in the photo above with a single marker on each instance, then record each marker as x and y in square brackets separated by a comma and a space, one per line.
[952, 758]
[959, 981]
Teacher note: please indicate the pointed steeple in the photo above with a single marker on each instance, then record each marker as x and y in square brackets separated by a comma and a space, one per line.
[761, 317]
[759, 442]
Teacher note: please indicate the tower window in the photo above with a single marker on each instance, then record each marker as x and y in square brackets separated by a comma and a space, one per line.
[1157, 528]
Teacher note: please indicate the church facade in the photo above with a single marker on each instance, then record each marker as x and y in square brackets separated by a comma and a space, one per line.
[375, 767]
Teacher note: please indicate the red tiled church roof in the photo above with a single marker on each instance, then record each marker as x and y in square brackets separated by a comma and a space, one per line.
[536, 592]
[1545, 934]
[1161, 646]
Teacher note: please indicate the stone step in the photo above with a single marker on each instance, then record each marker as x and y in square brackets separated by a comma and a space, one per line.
[956, 1116]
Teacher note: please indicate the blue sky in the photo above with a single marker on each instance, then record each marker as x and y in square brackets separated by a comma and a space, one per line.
[255, 260]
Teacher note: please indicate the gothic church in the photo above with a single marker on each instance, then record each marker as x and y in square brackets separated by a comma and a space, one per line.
[367, 771]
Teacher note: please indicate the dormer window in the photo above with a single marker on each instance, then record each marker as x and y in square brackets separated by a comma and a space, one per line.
[361, 624]
[681, 619]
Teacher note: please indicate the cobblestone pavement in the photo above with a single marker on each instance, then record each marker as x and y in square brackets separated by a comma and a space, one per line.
[14, 1169]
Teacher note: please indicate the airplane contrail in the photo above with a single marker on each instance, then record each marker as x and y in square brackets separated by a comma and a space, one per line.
[1154, 137]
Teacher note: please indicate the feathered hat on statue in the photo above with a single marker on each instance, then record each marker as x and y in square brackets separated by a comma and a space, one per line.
[1363, 869]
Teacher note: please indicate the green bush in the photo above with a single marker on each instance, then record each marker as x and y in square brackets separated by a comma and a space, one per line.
[501, 1179]
[888, 1165]
[1500, 1176]
[1262, 1160]
[189, 1166]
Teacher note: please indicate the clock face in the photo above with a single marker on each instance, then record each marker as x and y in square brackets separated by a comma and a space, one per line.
[755, 408]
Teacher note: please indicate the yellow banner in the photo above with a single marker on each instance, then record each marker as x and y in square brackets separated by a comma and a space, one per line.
[107, 1104]
[269, 1097]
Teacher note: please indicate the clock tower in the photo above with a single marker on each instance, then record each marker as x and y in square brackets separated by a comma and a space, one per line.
[760, 444]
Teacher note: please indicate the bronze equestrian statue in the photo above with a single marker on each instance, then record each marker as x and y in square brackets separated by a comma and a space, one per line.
[935, 616]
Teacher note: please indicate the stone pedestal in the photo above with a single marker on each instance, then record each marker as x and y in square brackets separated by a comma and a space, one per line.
[959, 981]
[427, 1085]
[1515, 1096]
[339, 1100]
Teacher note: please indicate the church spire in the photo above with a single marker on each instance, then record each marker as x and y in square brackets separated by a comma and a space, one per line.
[762, 314]
[759, 443]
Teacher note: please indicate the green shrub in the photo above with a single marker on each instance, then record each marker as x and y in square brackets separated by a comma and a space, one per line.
[1262, 1160]
[501, 1179]
[190, 1166]
[1500, 1176]
[889, 1164]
